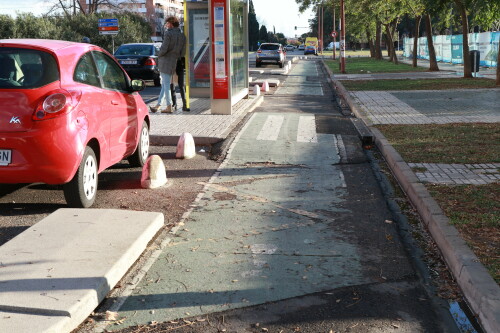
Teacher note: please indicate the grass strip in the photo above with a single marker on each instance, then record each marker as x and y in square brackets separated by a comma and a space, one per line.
[446, 143]
[474, 210]
[419, 84]
[366, 65]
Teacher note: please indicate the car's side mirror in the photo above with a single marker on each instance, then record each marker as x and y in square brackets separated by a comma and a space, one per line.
[138, 85]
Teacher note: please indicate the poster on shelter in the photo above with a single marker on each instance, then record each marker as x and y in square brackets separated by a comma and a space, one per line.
[199, 43]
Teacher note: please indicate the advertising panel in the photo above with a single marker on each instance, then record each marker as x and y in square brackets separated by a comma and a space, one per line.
[220, 63]
[199, 44]
[446, 56]
[484, 46]
[456, 49]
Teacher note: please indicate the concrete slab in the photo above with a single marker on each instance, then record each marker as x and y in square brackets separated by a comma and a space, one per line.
[56, 273]
[272, 82]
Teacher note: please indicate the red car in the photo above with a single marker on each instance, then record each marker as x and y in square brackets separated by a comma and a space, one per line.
[67, 112]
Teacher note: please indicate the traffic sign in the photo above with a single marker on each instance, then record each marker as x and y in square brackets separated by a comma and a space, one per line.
[108, 22]
[334, 34]
[108, 26]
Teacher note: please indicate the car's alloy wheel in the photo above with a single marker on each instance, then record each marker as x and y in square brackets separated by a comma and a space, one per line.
[139, 157]
[81, 191]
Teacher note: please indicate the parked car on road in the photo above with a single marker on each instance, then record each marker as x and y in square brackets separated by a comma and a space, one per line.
[270, 52]
[140, 60]
[310, 50]
[290, 47]
[302, 47]
[68, 111]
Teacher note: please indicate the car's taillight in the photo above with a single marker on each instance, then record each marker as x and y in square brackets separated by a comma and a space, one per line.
[150, 62]
[56, 103]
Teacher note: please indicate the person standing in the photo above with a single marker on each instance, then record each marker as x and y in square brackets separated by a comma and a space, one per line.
[172, 47]
[179, 71]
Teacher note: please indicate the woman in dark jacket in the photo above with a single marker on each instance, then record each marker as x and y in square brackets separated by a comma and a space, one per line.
[172, 48]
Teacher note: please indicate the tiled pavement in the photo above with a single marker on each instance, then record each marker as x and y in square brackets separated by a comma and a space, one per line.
[430, 107]
[473, 174]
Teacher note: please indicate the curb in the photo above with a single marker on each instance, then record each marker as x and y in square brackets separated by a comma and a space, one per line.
[481, 292]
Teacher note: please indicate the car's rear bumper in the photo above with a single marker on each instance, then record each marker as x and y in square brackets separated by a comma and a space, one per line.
[41, 155]
[144, 73]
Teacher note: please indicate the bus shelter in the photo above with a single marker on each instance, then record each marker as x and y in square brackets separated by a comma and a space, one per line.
[217, 52]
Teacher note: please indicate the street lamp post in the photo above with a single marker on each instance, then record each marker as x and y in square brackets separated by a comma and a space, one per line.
[342, 37]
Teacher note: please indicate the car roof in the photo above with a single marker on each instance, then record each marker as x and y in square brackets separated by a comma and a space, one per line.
[49, 44]
[127, 44]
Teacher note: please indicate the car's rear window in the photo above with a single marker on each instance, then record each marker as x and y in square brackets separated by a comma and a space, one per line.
[144, 50]
[26, 69]
[271, 47]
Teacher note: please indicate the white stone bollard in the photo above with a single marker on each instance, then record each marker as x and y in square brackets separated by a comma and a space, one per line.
[289, 64]
[185, 146]
[153, 173]
[265, 86]
[256, 90]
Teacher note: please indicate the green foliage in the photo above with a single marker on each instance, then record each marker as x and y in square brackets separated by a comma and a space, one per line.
[133, 28]
[263, 36]
[7, 27]
[253, 28]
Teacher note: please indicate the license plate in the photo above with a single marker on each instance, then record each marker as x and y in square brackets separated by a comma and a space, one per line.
[5, 156]
[128, 62]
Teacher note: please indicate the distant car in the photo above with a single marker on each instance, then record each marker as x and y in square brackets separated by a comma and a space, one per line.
[270, 52]
[302, 47]
[140, 60]
[68, 111]
[290, 47]
[310, 50]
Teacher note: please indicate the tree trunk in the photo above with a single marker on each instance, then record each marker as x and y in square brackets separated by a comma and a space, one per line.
[388, 45]
[378, 51]
[370, 43]
[393, 33]
[498, 66]
[416, 34]
[465, 34]
[433, 66]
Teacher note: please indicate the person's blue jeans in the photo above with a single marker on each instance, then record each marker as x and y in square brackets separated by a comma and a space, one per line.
[165, 99]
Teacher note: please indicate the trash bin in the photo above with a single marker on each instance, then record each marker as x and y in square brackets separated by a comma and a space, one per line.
[474, 55]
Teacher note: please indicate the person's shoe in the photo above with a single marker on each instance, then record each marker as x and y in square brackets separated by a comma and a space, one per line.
[154, 109]
[168, 109]
[174, 107]
[186, 109]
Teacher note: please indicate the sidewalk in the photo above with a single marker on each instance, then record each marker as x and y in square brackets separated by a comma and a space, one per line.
[458, 69]
[481, 292]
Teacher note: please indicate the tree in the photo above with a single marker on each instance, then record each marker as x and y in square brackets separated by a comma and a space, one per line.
[263, 33]
[7, 27]
[253, 27]
[433, 65]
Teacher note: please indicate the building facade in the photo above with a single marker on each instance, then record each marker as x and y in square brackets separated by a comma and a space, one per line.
[154, 11]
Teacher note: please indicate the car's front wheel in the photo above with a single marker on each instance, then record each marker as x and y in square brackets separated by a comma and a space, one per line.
[81, 191]
[139, 157]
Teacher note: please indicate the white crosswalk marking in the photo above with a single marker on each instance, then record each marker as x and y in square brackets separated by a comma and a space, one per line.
[306, 131]
[271, 128]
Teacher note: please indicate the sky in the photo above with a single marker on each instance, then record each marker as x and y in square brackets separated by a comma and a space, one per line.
[36, 7]
[282, 14]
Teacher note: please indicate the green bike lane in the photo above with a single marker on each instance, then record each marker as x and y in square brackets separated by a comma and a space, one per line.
[288, 214]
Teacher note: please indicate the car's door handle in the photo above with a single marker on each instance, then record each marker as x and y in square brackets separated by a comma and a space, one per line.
[114, 102]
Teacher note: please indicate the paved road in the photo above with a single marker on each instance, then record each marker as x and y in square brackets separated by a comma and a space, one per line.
[292, 234]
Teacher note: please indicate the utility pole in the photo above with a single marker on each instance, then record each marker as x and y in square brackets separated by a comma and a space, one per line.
[342, 37]
[334, 28]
